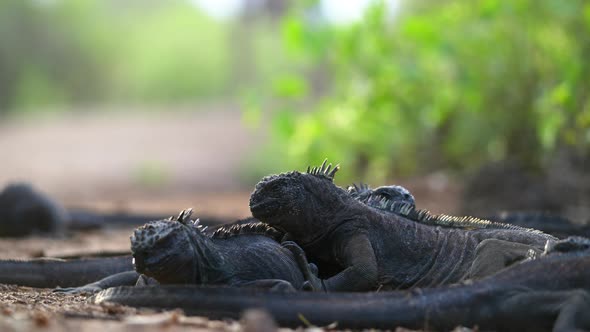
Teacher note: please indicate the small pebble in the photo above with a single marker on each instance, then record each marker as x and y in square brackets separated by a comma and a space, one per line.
[256, 320]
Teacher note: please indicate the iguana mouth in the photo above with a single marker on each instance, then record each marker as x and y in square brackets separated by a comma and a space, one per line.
[139, 261]
[267, 207]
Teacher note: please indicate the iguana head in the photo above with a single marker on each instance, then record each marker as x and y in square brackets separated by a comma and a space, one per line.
[381, 197]
[175, 251]
[303, 204]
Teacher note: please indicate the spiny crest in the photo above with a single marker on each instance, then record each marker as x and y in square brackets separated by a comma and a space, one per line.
[397, 206]
[467, 222]
[355, 190]
[146, 236]
[258, 228]
[323, 170]
[184, 217]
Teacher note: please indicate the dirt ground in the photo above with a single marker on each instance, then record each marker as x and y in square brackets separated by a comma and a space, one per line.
[92, 161]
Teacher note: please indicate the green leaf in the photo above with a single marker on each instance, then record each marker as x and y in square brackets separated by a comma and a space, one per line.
[283, 123]
[290, 86]
[292, 30]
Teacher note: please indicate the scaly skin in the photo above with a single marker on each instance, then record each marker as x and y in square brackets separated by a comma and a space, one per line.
[177, 251]
[548, 293]
[381, 197]
[374, 248]
[398, 200]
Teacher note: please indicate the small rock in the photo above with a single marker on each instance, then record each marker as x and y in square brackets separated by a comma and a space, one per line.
[6, 311]
[256, 320]
[40, 318]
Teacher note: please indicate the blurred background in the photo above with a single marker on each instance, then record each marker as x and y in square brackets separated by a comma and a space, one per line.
[475, 106]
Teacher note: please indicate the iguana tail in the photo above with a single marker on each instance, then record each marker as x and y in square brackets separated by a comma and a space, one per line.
[50, 272]
[509, 309]
[552, 292]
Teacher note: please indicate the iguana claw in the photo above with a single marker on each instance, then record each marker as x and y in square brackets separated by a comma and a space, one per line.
[310, 271]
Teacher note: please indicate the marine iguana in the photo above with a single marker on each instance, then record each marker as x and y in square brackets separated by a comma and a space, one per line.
[548, 293]
[492, 254]
[397, 199]
[25, 211]
[238, 255]
[374, 248]
[178, 251]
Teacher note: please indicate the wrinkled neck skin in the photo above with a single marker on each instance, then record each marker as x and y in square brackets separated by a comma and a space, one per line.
[320, 216]
[209, 261]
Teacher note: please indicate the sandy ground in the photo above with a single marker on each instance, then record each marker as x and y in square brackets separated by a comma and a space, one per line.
[26, 309]
[119, 155]
[157, 162]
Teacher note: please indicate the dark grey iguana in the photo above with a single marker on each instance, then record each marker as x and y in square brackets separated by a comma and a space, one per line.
[374, 248]
[398, 199]
[548, 293]
[381, 197]
[24, 211]
[177, 251]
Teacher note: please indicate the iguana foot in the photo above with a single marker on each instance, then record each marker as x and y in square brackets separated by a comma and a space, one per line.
[316, 285]
[271, 284]
[493, 255]
[310, 271]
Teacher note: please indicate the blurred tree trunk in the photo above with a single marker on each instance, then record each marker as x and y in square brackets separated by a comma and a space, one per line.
[243, 35]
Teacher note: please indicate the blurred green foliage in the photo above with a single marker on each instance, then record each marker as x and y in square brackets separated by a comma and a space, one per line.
[435, 84]
[56, 53]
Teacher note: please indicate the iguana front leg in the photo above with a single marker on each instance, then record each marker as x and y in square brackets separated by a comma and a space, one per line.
[361, 272]
[310, 271]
